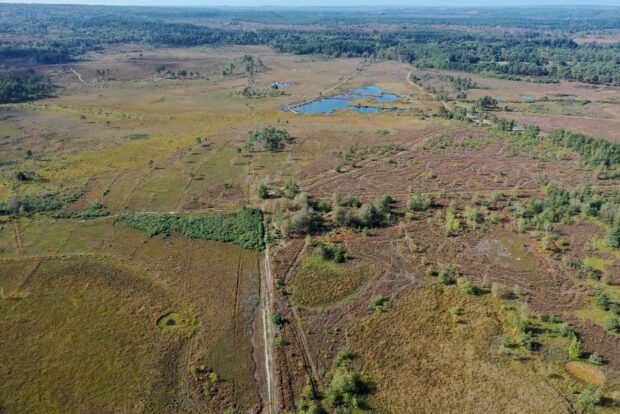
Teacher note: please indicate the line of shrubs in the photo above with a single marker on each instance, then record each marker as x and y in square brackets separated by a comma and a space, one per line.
[243, 227]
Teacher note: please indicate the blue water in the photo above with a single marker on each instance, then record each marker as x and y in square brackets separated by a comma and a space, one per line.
[386, 97]
[330, 104]
[499, 98]
[282, 84]
[527, 97]
[369, 90]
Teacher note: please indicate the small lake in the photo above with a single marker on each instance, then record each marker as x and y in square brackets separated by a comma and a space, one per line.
[330, 104]
[528, 98]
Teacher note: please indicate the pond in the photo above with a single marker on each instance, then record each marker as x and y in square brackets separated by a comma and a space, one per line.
[282, 84]
[329, 104]
[527, 98]
[168, 320]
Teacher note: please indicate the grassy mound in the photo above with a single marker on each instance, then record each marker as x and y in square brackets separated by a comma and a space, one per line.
[243, 227]
[80, 336]
[320, 282]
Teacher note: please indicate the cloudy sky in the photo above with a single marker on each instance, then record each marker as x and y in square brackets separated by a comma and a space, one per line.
[326, 2]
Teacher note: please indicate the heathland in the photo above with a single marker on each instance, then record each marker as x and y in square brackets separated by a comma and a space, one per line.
[437, 230]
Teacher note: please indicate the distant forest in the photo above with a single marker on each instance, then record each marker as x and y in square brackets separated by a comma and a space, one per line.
[533, 42]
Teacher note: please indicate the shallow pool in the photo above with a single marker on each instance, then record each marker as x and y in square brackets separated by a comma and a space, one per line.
[329, 104]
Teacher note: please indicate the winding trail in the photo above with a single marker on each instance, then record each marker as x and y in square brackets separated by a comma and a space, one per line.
[415, 85]
[78, 75]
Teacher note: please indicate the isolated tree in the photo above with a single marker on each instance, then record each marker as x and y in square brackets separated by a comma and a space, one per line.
[269, 138]
[575, 348]
[486, 103]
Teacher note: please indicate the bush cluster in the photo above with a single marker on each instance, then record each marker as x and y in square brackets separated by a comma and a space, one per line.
[243, 228]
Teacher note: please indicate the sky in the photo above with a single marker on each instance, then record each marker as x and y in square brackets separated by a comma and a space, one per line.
[297, 3]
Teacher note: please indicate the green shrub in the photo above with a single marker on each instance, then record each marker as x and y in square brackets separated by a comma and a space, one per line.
[612, 238]
[444, 278]
[137, 136]
[575, 348]
[269, 138]
[378, 303]
[32, 204]
[595, 359]
[277, 319]
[455, 314]
[470, 288]
[613, 325]
[243, 227]
[602, 300]
[420, 202]
[589, 397]
[497, 291]
[330, 251]
[262, 191]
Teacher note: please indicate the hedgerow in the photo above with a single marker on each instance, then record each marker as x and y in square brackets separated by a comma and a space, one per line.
[32, 204]
[243, 227]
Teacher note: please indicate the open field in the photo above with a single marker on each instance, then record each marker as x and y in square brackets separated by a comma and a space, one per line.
[68, 272]
[446, 276]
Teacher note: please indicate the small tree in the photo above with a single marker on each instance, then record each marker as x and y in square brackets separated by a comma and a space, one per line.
[262, 191]
[468, 287]
[269, 139]
[575, 349]
[420, 202]
[277, 319]
[291, 189]
[602, 300]
[496, 290]
[486, 103]
[613, 324]
[612, 239]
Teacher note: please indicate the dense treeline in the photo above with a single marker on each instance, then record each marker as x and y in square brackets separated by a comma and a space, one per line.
[545, 51]
[507, 55]
[243, 228]
[24, 88]
[594, 151]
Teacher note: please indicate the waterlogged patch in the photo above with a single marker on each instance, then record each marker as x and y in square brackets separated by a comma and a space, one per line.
[171, 320]
[508, 251]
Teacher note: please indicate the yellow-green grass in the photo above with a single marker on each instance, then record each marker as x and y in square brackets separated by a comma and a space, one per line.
[41, 235]
[596, 315]
[82, 337]
[420, 361]
[218, 280]
[597, 263]
[221, 282]
[586, 372]
[599, 244]
[322, 283]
